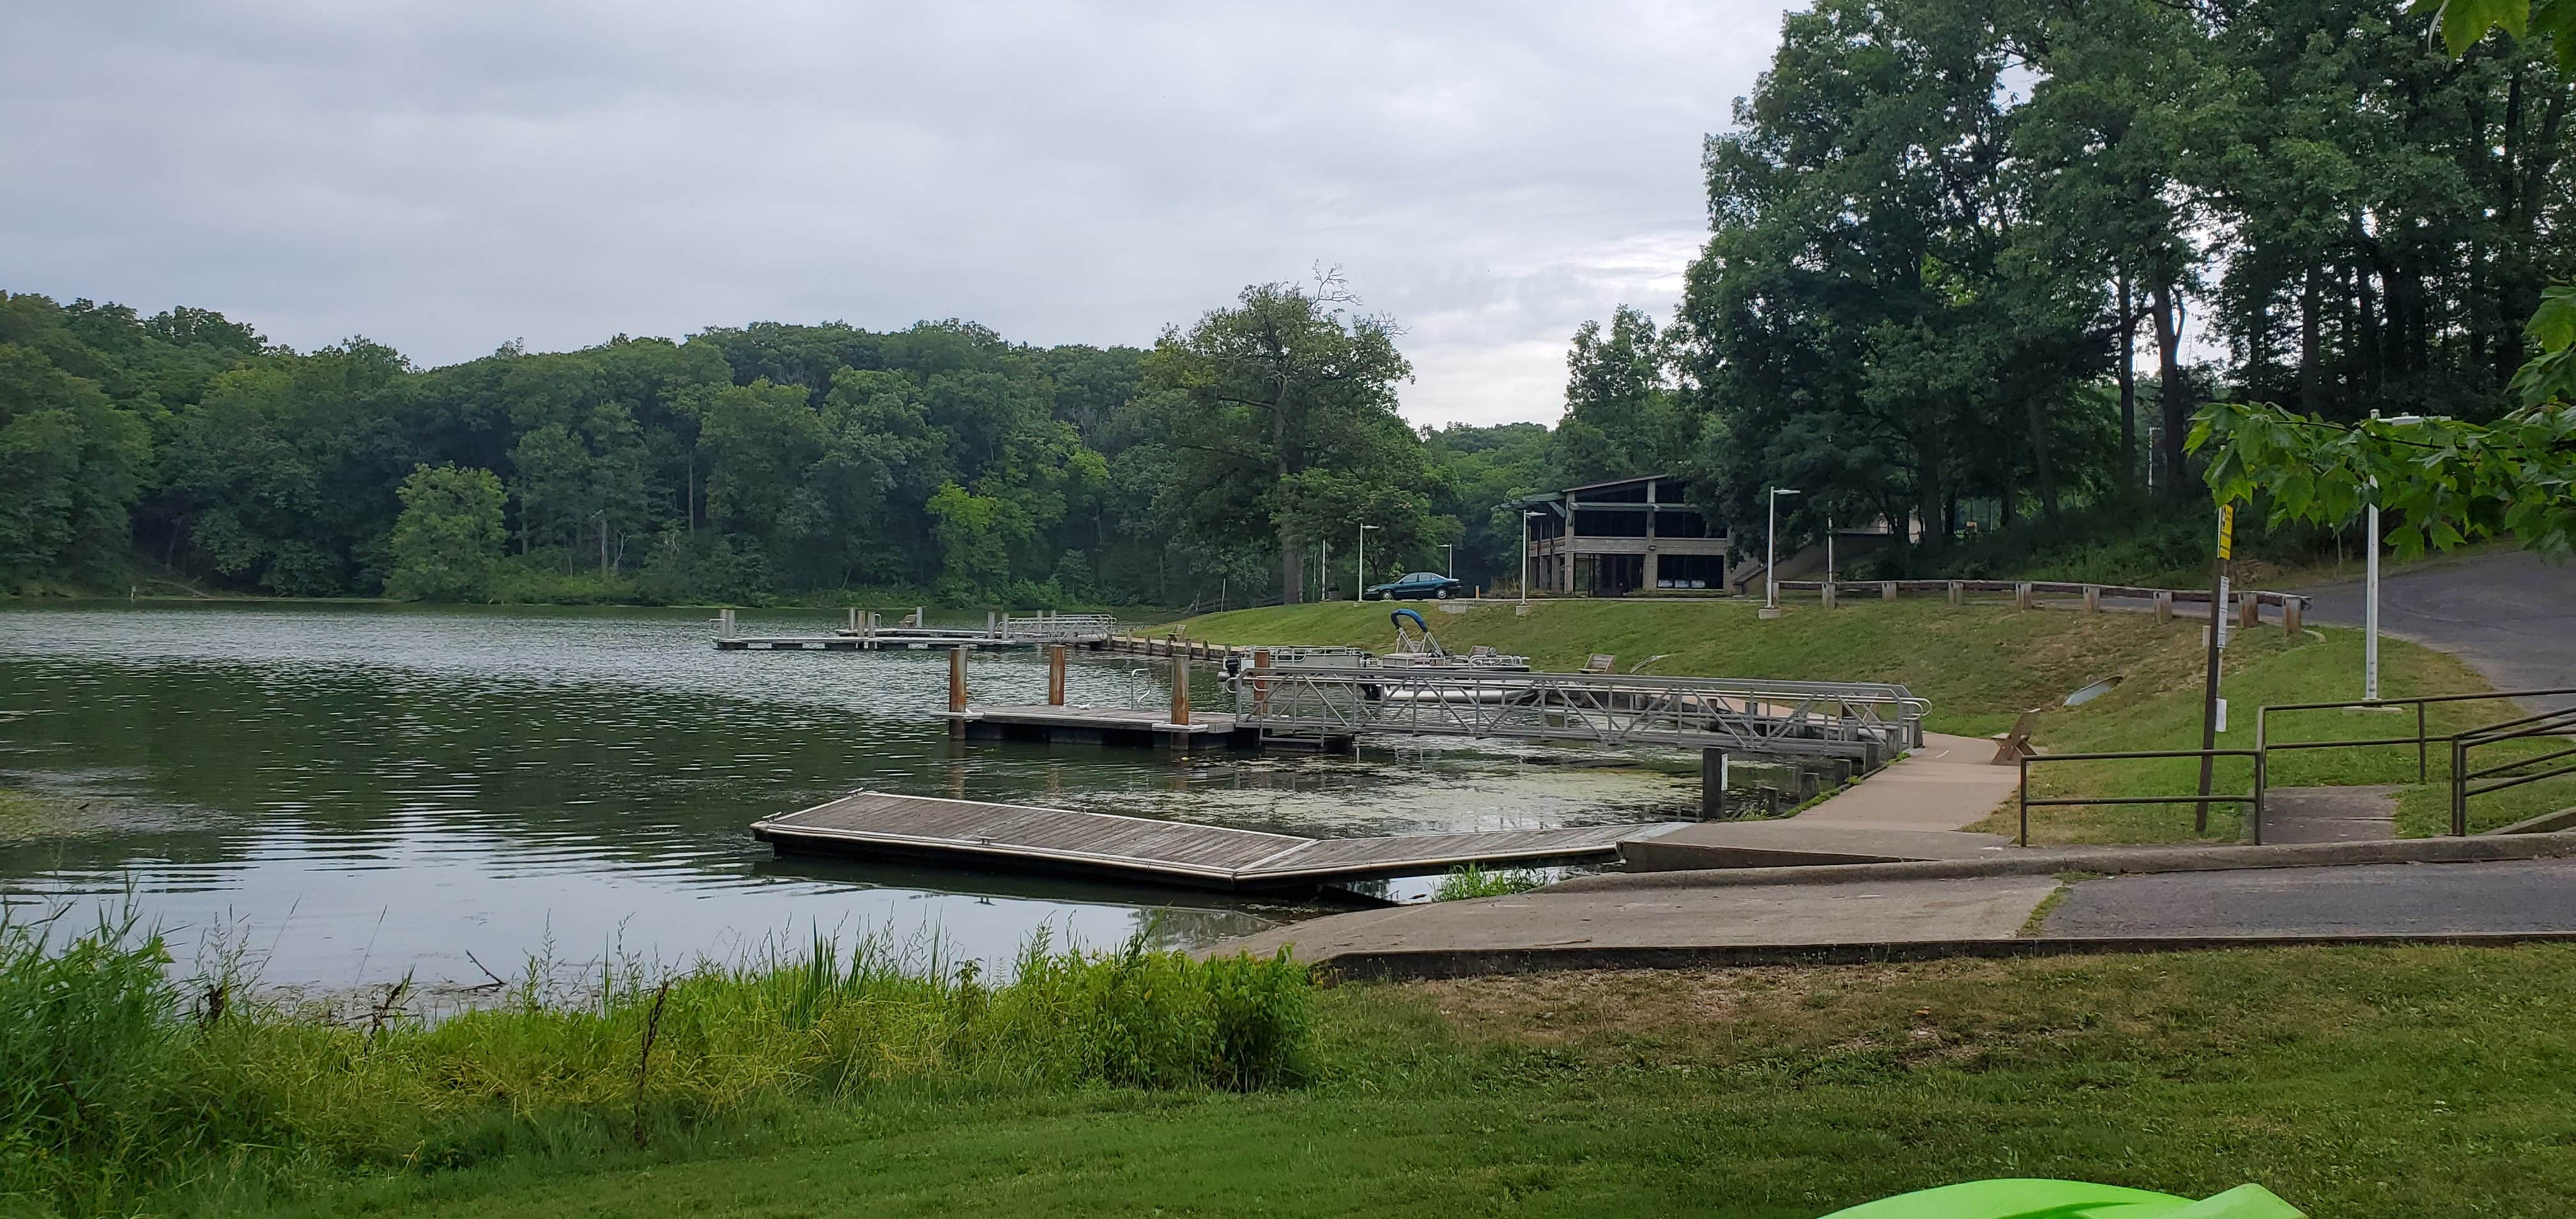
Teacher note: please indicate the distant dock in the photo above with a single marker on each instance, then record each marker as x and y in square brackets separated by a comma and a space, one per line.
[1105, 846]
[868, 633]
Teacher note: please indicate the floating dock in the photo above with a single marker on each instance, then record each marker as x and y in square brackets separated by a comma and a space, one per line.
[1099, 726]
[974, 834]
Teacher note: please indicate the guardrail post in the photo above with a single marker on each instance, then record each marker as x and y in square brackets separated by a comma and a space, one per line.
[1828, 591]
[2294, 615]
[2164, 605]
[1055, 676]
[2022, 598]
[1958, 593]
[2093, 598]
[2249, 611]
[1887, 590]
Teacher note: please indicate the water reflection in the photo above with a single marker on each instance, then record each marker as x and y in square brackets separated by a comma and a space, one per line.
[373, 789]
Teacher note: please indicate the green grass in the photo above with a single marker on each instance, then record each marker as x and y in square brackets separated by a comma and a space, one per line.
[1476, 881]
[1979, 664]
[2357, 1083]
[120, 1085]
[1982, 664]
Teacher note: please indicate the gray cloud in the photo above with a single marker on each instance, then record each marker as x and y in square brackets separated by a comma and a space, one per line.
[446, 177]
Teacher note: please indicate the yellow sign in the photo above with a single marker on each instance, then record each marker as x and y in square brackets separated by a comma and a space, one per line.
[2226, 531]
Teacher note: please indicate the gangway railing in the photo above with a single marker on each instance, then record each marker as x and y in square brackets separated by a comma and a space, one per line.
[1869, 723]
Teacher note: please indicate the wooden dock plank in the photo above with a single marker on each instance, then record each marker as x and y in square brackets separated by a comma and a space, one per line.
[1111, 845]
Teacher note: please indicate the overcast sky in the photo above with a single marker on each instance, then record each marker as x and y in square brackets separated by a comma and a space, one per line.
[447, 177]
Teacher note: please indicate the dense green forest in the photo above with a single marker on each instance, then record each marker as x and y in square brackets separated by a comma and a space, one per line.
[793, 460]
[1939, 231]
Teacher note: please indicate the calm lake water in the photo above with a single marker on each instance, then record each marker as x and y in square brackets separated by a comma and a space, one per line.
[360, 792]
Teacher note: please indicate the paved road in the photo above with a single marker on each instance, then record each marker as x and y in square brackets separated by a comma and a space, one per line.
[2511, 616]
[2376, 899]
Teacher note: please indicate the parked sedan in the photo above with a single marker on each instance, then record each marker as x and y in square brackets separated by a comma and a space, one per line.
[1420, 584]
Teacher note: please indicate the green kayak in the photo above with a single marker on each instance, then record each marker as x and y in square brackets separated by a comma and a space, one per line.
[2041, 1199]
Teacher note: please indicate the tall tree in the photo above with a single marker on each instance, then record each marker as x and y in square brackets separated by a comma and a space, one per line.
[1282, 423]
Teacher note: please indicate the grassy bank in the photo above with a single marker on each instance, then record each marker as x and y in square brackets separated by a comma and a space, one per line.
[122, 1089]
[1982, 664]
[2358, 1083]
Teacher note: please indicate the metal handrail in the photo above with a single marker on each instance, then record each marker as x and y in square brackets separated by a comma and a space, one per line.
[2255, 799]
[1866, 721]
[2421, 740]
[2552, 724]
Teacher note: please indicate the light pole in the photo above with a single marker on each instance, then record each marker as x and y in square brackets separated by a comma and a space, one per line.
[1771, 556]
[1363, 575]
[1526, 517]
[1449, 566]
[1829, 549]
[2370, 581]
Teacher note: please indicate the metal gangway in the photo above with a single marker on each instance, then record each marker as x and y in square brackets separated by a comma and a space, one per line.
[1869, 723]
[1059, 628]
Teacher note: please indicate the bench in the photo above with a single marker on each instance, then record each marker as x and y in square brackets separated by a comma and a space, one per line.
[2011, 747]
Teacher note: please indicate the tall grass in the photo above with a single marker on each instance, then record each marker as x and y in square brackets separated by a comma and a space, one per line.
[1474, 880]
[117, 1080]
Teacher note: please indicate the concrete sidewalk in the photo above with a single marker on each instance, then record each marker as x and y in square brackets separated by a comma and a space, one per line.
[1892, 912]
[1910, 810]
[2489, 889]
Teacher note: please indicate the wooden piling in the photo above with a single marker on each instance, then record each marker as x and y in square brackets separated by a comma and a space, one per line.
[957, 692]
[1181, 690]
[1055, 676]
[1261, 681]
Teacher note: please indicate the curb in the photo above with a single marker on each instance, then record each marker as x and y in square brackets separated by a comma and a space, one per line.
[1438, 963]
[2109, 861]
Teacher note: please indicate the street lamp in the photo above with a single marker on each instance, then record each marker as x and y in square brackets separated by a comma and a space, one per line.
[1526, 517]
[1449, 566]
[2370, 597]
[1364, 532]
[1771, 556]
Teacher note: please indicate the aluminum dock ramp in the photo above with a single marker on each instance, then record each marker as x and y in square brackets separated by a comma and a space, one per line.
[1106, 846]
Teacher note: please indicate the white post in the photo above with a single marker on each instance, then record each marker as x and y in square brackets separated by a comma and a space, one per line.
[1829, 550]
[2370, 612]
[1771, 556]
[1449, 567]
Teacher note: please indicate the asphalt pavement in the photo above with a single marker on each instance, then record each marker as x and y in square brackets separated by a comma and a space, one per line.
[2510, 616]
[2499, 897]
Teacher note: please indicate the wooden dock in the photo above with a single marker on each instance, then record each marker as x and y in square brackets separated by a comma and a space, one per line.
[973, 834]
[1078, 725]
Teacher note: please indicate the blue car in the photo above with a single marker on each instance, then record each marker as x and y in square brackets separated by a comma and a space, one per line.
[1416, 586]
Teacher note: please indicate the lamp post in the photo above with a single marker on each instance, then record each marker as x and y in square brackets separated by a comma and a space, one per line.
[1526, 517]
[1449, 566]
[2370, 582]
[1363, 566]
[1771, 556]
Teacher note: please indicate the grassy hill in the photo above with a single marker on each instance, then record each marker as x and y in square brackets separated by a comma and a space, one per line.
[1982, 664]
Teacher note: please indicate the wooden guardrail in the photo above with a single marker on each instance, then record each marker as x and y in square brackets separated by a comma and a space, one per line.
[2246, 604]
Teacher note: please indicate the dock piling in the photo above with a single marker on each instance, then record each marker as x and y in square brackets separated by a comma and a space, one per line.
[1181, 690]
[957, 692]
[1055, 676]
[1712, 784]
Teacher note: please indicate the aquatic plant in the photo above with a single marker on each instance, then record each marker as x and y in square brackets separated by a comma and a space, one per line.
[1475, 881]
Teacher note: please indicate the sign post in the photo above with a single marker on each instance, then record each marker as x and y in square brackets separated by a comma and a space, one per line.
[2211, 708]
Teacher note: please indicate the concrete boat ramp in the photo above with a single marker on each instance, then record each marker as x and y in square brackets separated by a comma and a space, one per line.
[970, 833]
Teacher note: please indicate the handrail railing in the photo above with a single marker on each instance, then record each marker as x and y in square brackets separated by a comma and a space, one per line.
[2421, 740]
[2256, 799]
[2557, 725]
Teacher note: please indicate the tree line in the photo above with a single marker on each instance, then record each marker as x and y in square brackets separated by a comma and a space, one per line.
[738, 463]
[1939, 231]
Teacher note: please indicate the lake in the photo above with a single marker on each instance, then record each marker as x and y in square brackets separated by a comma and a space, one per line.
[357, 793]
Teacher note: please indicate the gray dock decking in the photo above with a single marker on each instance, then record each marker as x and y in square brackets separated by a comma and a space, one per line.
[1112, 847]
[1096, 726]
